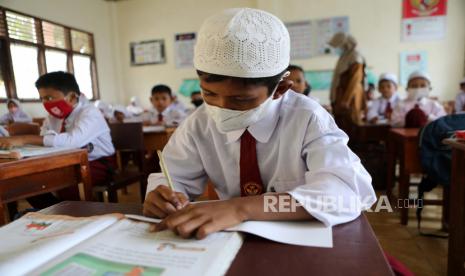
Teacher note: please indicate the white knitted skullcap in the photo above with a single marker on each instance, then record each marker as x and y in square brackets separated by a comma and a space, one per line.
[243, 42]
[419, 74]
[388, 76]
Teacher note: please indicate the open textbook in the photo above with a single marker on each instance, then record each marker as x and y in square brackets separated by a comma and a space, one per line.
[28, 151]
[38, 244]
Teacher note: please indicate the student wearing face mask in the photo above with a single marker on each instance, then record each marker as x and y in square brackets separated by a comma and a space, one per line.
[381, 108]
[253, 136]
[73, 122]
[15, 114]
[417, 109]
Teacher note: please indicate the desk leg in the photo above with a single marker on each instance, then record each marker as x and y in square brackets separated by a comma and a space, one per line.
[85, 177]
[391, 168]
[456, 259]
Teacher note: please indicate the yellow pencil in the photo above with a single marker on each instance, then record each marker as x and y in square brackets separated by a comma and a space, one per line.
[164, 169]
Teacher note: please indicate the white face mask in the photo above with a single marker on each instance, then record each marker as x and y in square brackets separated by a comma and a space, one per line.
[228, 120]
[417, 93]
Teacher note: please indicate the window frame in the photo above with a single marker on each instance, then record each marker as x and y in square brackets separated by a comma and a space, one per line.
[7, 66]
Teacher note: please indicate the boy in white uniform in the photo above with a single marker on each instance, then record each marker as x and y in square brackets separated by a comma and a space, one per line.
[460, 99]
[381, 108]
[250, 137]
[163, 111]
[418, 88]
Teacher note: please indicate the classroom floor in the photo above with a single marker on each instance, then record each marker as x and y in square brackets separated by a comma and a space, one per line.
[423, 255]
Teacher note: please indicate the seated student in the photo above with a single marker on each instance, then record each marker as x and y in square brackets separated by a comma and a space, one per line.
[196, 99]
[460, 99]
[134, 107]
[15, 114]
[73, 122]
[381, 108]
[300, 84]
[250, 137]
[417, 102]
[163, 112]
[122, 115]
[105, 109]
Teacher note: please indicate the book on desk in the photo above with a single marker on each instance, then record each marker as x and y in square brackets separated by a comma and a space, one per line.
[28, 151]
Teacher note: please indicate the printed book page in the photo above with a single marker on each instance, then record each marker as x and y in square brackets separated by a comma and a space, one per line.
[28, 151]
[35, 239]
[128, 248]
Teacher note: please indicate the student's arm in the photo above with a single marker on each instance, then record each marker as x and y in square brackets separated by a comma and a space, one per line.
[437, 111]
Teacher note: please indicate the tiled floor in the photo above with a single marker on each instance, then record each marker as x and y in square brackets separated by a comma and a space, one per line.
[423, 255]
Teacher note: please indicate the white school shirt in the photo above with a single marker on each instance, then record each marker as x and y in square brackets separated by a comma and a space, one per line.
[433, 109]
[300, 150]
[378, 106]
[460, 102]
[84, 126]
[18, 117]
[171, 116]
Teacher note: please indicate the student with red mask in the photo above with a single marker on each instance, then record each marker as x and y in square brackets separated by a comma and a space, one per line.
[73, 122]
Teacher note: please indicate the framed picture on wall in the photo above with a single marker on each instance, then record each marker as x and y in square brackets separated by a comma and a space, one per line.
[148, 52]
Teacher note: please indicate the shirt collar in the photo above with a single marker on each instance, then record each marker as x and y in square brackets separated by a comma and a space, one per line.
[73, 113]
[261, 130]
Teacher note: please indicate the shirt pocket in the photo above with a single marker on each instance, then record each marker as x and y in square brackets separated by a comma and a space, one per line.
[282, 186]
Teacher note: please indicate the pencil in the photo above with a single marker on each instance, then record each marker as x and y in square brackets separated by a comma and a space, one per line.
[164, 169]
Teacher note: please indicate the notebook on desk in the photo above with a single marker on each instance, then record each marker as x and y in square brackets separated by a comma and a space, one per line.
[39, 244]
[148, 129]
[28, 151]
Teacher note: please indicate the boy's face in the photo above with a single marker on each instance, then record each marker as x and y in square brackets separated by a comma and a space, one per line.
[52, 94]
[298, 78]
[233, 94]
[387, 89]
[12, 108]
[418, 83]
[119, 116]
[161, 101]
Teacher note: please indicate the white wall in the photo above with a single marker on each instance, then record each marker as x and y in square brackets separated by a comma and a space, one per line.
[375, 23]
[94, 16]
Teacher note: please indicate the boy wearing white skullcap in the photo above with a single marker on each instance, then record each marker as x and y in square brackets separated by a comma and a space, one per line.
[381, 109]
[250, 137]
[460, 99]
[418, 89]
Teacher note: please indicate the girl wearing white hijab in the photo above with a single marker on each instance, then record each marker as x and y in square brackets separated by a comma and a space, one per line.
[135, 108]
[15, 114]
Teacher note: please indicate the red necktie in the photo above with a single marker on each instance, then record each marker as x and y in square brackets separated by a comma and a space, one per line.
[251, 182]
[388, 109]
[160, 117]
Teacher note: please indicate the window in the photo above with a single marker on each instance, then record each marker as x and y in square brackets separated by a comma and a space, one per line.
[56, 60]
[32, 46]
[82, 72]
[25, 69]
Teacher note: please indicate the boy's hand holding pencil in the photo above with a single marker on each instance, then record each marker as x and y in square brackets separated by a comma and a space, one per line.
[164, 200]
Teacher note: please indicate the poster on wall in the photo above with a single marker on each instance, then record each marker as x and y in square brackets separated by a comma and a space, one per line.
[326, 28]
[301, 34]
[184, 50]
[412, 61]
[424, 20]
[148, 52]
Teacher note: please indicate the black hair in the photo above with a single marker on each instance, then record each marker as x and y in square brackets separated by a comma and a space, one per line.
[269, 82]
[160, 89]
[62, 81]
[195, 92]
[292, 67]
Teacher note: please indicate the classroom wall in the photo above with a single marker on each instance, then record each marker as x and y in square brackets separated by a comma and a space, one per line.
[95, 16]
[375, 23]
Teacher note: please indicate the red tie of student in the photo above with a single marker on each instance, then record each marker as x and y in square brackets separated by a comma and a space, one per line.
[160, 117]
[251, 182]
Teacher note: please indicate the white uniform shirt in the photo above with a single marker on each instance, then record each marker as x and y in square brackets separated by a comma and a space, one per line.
[171, 116]
[84, 126]
[433, 109]
[18, 117]
[300, 150]
[460, 102]
[378, 106]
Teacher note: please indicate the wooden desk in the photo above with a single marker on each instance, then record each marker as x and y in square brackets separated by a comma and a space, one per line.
[356, 250]
[27, 177]
[154, 141]
[402, 145]
[456, 257]
[365, 133]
